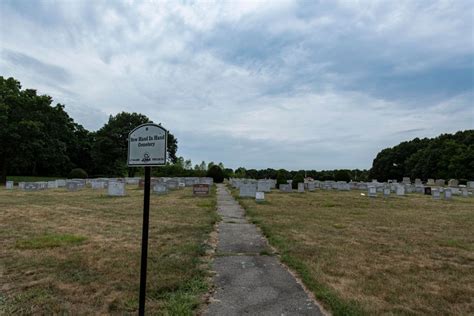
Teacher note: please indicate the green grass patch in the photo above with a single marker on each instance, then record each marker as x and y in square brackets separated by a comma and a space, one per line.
[49, 241]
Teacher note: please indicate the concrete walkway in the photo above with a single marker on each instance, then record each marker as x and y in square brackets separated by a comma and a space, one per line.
[248, 283]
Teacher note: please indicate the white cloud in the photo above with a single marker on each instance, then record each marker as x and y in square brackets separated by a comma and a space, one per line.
[320, 85]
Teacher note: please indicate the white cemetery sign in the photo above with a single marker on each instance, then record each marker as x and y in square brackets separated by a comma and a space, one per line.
[147, 146]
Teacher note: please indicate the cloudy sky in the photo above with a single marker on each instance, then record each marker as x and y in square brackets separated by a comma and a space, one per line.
[281, 84]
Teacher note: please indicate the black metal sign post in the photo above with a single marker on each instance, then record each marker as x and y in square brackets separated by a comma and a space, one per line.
[144, 259]
[147, 145]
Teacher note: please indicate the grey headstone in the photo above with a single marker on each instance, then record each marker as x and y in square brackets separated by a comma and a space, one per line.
[400, 190]
[435, 194]
[248, 190]
[52, 185]
[453, 183]
[301, 187]
[285, 188]
[31, 186]
[372, 191]
[386, 191]
[160, 188]
[116, 188]
[72, 185]
[448, 194]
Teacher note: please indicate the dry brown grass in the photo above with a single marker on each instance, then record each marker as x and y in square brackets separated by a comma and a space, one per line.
[79, 252]
[400, 255]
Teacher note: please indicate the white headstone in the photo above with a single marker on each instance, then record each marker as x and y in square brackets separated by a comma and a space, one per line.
[72, 185]
[386, 191]
[9, 185]
[259, 196]
[372, 192]
[301, 187]
[248, 190]
[435, 194]
[400, 190]
[60, 183]
[116, 188]
[160, 188]
[465, 192]
[448, 194]
[52, 185]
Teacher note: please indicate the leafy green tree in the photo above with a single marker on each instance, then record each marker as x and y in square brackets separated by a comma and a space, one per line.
[36, 138]
[216, 173]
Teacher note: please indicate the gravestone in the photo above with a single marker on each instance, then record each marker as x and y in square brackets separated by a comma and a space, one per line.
[259, 196]
[116, 188]
[440, 182]
[285, 188]
[409, 189]
[465, 192]
[406, 180]
[400, 190]
[201, 189]
[72, 186]
[453, 183]
[52, 185]
[248, 190]
[418, 181]
[470, 184]
[160, 189]
[301, 187]
[172, 185]
[372, 192]
[181, 185]
[311, 186]
[9, 185]
[435, 194]
[31, 186]
[264, 186]
[97, 185]
[430, 182]
[386, 192]
[21, 185]
[419, 189]
[427, 190]
[448, 194]
[60, 183]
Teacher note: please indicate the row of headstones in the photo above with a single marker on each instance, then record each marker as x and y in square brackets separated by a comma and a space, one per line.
[249, 187]
[115, 186]
[438, 182]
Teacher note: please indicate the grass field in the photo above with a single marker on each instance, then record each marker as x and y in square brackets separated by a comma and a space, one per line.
[401, 255]
[79, 252]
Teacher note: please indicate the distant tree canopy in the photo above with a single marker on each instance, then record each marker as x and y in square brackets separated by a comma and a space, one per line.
[37, 138]
[444, 157]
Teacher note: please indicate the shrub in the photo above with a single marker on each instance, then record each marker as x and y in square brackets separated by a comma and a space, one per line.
[77, 173]
[298, 178]
[216, 173]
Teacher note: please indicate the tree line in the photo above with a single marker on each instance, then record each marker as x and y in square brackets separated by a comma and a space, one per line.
[448, 156]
